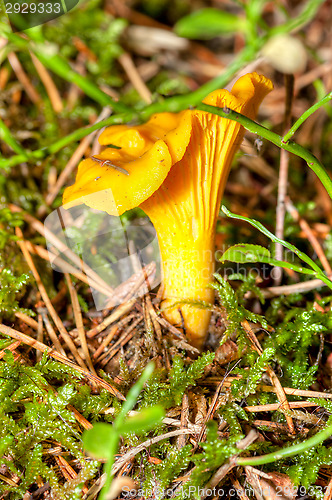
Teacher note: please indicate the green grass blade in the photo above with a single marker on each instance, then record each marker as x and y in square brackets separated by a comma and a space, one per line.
[272, 237]
[306, 115]
[290, 451]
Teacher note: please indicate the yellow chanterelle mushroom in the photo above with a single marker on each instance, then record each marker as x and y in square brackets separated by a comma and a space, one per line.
[175, 168]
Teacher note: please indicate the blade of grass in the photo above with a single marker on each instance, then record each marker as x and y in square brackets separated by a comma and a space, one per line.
[65, 141]
[8, 138]
[276, 139]
[128, 405]
[180, 103]
[306, 115]
[305, 16]
[62, 68]
[292, 248]
[291, 451]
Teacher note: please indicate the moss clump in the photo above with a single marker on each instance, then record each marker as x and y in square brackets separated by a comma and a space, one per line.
[34, 420]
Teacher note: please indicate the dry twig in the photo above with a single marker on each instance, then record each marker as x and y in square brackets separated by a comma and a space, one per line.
[127, 63]
[49, 85]
[48, 302]
[79, 322]
[23, 78]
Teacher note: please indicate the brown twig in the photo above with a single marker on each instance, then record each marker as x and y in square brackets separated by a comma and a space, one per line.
[26, 319]
[127, 63]
[132, 285]
[283, 179]
[12, 347]
[114, 316]
[113, 331]
[240, 490]
[212, 409]
[174, 331]
[79, 322]
[272, 426]
[288, 390]
[156, 326]
[40, 335]
[47, 301]
[84, 49]
[215, 403]
[66, 469]
[181, 441]
[148, 329]
[51, 332]
[49, 85]
[80, 419]
[68, 472]
[60, 245]
[23, 78]
[66, 267]
[277, 406]
[302, 287]
[128, 335]
[4, 77]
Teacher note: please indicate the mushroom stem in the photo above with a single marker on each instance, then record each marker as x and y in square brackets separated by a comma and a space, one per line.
[187, 270]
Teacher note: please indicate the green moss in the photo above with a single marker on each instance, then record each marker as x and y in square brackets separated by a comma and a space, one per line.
[169, 393]
[161, 476]
[9, 287]
[215, 451]
[296, 338]
[235, 311]
[33, 418]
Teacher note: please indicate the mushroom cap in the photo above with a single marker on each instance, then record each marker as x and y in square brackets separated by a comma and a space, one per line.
[246, 96]
[149, 151]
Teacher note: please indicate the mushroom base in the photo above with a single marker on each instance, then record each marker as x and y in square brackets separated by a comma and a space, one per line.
[187, 270]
